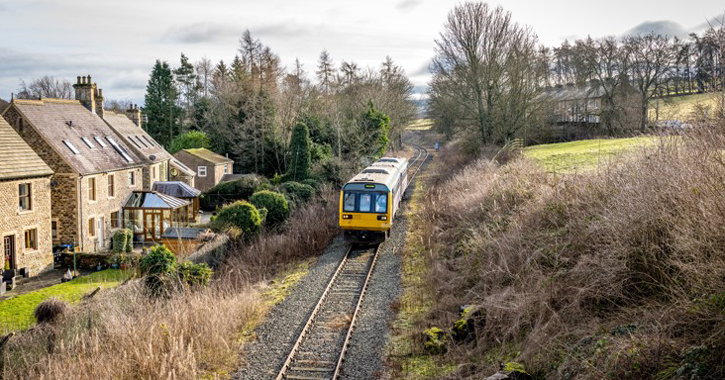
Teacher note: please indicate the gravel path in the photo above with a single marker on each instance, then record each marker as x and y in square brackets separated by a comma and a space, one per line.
[275, 336]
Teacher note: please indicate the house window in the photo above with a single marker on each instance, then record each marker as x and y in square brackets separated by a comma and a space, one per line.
[111, 186]
[26, 203]
[226, 169]
[92, 189]
[92, 227]
[116, 219]
[131, 179]
[31, 239]
[54, 229]
[154, 173]
[202, 171]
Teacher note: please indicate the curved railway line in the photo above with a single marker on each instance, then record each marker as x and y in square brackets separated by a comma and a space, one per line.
[319, 351]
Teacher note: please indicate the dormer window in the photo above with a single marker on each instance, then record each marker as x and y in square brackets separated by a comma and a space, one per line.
[71, 147]
[119, 149]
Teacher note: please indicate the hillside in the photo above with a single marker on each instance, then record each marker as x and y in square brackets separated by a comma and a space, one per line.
[682, 107]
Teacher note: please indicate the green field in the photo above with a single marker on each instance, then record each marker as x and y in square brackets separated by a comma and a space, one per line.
[17, 313]
[682, 107]
[581, 155]
[421, 125]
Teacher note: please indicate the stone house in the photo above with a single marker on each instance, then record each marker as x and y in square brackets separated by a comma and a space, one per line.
[95, 170]
[209, 167]
[25, 211]
[153, 155]
[182, 173]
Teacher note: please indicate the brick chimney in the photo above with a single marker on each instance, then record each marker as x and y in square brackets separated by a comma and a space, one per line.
[86, 92]
[134, 113]
[98, 95]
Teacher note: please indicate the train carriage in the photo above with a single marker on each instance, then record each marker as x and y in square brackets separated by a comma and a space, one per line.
[370, 200]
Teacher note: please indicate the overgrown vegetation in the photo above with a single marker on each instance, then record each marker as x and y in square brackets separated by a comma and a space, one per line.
[614, 273]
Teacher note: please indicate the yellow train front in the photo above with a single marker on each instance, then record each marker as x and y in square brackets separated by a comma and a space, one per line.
[369, 201]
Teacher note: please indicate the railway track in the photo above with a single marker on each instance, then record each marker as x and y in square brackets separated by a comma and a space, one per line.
[320, 349]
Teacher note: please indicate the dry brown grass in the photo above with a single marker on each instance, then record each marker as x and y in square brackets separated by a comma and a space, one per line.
[125, 334]
[561, 265]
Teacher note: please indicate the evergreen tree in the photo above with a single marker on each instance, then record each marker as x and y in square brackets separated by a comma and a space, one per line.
[190, 140]
[300, 161]
[375, 126]
[161, 104]
[187, 81]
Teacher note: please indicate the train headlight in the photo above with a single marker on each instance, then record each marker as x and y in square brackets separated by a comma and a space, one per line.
[382, 217]
[346, 216]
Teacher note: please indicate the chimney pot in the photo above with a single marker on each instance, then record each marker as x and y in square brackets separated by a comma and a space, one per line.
[79, 80]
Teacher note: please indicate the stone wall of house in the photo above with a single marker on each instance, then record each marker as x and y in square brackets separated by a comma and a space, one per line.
[64, 196]
[181, 176]
[161, 169]
[100, 210]
[194, 162]
[15, 223]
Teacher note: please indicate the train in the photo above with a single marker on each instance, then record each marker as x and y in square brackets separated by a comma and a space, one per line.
[369, 201]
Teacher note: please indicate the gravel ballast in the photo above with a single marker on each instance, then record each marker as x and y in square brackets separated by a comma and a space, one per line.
[264, 357]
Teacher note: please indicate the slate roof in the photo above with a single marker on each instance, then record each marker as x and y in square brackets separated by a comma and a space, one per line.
[135, 137]
[63, 122]
[152, 199]
[207, 155]
[182, 232]
[180, 165]
[17, 158]
[233, 177]
[176, 189]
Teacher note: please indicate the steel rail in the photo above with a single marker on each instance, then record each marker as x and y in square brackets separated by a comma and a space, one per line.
[350, 330]
[312, 317]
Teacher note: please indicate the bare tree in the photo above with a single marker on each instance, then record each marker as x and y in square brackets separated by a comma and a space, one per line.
[325, 71]
[481, 59]
[46, 87]
[649, 60]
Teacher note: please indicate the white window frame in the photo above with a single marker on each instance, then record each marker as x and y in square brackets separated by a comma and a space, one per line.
[202, 173]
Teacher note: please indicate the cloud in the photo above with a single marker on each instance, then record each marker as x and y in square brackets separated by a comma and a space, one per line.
[202, 32]
[665, 27]
[408, 5]
[424, 69]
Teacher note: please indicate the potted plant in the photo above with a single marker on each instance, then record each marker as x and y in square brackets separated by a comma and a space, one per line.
[99, 267]
[124, 262]
[115, 261]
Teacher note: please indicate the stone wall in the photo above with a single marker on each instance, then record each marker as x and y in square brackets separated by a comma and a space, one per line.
[14, 222]
[103, 206]
[162, 174]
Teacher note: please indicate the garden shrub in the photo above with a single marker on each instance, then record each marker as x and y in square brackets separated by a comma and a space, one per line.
[129, 239]
[298, 192]
[160, 261]
[194, 274]
[276, 205]
[119, 241]
[311, 183]
[242, 215]
[228, 192]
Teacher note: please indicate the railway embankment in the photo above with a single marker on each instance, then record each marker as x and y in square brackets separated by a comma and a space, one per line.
[615, 272]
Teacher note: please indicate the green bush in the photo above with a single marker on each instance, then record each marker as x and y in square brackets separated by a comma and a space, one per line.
[129, 239]
[119, 241]
[242, 215]
[275, 203]
[194, 274]
[311, 183]
[300, 160]
[435, 342]
[160, 261]
[228, 192]
[298, 192]
[330, 170]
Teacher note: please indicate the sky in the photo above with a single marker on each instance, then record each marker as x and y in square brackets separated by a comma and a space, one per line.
[117, 42]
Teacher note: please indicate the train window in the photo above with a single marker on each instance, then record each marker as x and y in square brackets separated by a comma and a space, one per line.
[365, 202]
[381, 203]
[349, 203]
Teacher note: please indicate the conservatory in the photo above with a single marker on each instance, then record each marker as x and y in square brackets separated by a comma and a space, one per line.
[148, 214]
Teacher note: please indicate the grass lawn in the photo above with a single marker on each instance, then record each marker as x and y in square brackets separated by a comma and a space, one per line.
[421, 125]
[17, 313]
[681, 107]
[581, 155]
